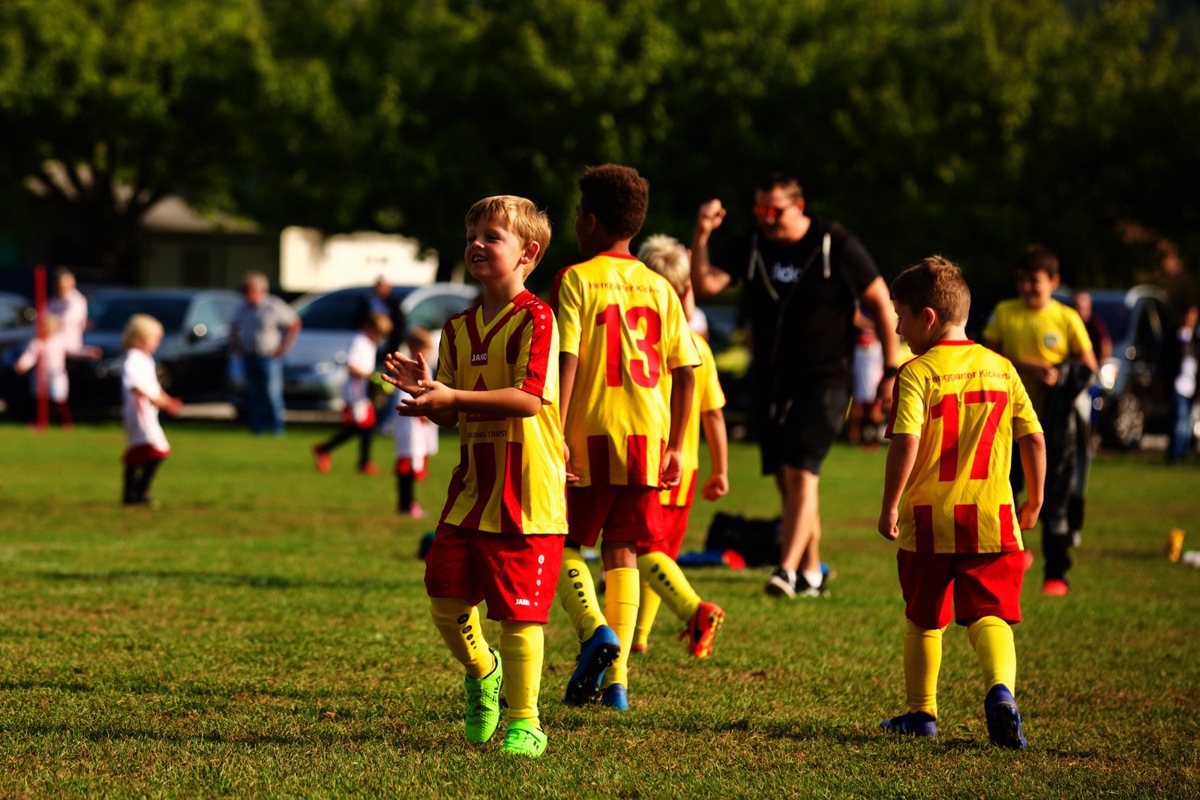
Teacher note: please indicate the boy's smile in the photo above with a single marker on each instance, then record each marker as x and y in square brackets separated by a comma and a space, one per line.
[492, 251]
[1035, 288]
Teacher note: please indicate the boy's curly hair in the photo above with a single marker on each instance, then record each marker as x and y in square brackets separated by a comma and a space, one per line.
[618, 196]
[934, 283]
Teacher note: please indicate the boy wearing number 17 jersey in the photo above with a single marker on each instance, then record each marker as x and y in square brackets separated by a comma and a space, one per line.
[627, 386]
[947, 500]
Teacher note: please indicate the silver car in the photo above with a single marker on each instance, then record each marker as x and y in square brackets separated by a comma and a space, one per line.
[314, 370]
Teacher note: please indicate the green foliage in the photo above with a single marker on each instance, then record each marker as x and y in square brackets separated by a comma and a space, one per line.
[265, 633]
[965, 127]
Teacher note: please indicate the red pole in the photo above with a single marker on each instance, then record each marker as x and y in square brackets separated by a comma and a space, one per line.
[43, 388]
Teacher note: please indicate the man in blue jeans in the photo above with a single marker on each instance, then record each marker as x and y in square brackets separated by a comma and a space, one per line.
[263, 330]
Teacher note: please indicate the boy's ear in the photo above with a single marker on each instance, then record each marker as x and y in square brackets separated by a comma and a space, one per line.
[929, 317]
[530, 253]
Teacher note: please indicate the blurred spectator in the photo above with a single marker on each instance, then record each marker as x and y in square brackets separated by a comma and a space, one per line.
[70, 306]
[262, 331]
[1180, 360]
[866, 411]
[380, 301]
[1097, 330]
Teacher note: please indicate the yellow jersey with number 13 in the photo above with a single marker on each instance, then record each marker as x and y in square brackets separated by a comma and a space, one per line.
[626, 326]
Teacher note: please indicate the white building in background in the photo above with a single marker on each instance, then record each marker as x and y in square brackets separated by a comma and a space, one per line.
[309, 261]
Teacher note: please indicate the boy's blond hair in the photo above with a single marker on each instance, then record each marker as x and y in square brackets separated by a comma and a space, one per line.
[419, 339]
[138, 329]
[934, 283]
[668, 257]
[379, 324]
[519, 216]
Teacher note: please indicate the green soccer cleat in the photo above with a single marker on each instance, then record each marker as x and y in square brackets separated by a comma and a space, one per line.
[523, 738]
[483, 703]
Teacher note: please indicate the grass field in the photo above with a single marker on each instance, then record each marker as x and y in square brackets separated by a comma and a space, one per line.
[265, 633]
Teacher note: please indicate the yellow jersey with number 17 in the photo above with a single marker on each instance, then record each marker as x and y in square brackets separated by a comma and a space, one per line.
[626, 326]
[965, 403]
[511, 475]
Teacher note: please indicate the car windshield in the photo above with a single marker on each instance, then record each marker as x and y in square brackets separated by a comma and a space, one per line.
[109, 313]
[333, 312]
[1115, 315]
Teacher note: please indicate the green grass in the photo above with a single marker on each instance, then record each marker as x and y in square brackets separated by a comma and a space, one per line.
[265, 633]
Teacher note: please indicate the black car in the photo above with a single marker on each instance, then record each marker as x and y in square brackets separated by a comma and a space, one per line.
[193, 359]
[1131, 397]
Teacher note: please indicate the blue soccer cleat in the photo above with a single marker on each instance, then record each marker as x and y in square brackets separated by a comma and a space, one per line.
[595, 656]
[1003, 718]
[914, 723]
[615, 697]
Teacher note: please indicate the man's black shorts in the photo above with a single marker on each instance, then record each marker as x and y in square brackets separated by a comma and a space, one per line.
[801, 433]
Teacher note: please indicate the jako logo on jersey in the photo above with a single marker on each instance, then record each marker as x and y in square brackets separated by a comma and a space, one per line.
[479, 358]
[521, 601]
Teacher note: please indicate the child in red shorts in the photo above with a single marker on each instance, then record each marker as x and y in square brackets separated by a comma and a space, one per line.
[500, 536]
[661, 578]
[627, 388]
[947, 500]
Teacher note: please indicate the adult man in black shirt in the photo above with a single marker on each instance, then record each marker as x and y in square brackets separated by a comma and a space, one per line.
[803, 278]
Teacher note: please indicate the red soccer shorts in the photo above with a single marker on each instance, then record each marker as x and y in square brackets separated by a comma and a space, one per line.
[982, 585]
[517, 574]
[143, 454]
[625, 513]
[412, 466]
[672, 526]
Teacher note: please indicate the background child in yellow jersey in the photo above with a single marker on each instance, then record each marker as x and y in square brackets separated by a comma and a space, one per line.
[416, 437]
[661, 578]
[500, 536]
[622, 329]
[947, 499]
[1049, 345]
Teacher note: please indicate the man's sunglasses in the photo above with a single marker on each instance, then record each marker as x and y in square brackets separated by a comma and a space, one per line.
[770, 212]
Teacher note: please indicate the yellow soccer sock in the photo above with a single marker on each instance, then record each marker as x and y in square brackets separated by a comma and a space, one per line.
[621, 609]
[522, 647]
[668, 582]
[992, 640]
[577, 592]
[922, 660]
[647, 611]
[458, 623]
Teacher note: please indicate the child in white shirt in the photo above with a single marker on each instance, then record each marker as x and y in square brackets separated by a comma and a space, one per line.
[358, 414]
[143, 396]
[416, 437]
[51, 351]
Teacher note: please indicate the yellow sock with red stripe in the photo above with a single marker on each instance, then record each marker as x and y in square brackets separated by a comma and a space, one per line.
[621, 598]
[521, 648]
[577, 593]
[922, 661]
[992, 640]
[668, 582]
[458, 623]
[647, 610]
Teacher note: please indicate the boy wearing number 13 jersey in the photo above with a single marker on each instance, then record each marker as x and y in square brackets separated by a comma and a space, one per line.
[947, 500]
[627, 386]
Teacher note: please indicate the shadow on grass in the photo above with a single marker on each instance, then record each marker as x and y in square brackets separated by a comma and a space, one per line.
[222, 579]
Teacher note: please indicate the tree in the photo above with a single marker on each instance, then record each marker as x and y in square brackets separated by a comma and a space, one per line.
[113, 104]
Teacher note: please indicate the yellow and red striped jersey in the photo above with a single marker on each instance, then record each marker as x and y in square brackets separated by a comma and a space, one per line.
[709, 396]
[511, 477]
[965, 403]
[625, 324]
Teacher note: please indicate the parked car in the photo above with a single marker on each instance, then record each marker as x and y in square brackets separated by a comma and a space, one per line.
[314, 370]
[16, 318]
[193, 359]
[1132, 397]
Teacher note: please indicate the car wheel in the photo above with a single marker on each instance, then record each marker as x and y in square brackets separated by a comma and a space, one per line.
[1128, 422]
